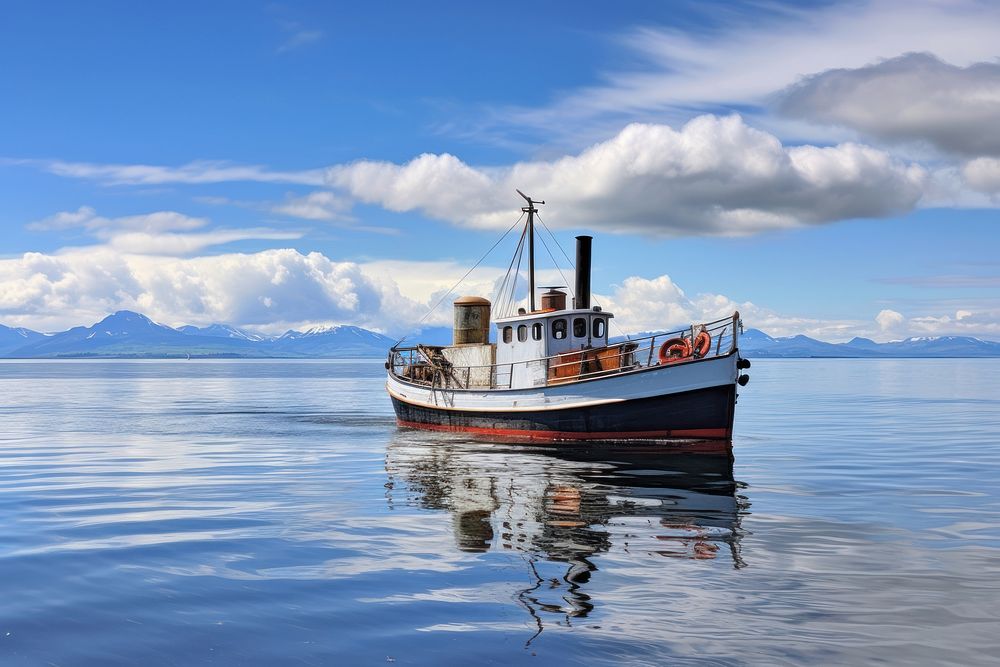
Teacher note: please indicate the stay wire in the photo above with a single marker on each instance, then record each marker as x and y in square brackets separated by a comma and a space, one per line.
[558, 245]
[513, 283]
[460, 280]
[502, 289]
[554, 262]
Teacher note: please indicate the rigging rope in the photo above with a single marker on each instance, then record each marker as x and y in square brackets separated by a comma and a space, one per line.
[554, 262]
[498, 296]
[546, 228]
[511, 301]
[460, 280]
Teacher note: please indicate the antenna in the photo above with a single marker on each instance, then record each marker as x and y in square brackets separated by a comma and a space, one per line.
[531, 211]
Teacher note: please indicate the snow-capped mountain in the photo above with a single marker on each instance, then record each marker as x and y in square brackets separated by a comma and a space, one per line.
[755, 343]
[123, 329]
[129, 334]
[223, 331]
[12, 338]
[943, 346]
[336, 340]
[126, 333]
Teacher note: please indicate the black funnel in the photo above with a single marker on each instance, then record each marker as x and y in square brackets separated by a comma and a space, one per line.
[582, 272]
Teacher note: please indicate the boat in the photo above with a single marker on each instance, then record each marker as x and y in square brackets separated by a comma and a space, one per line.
[554, 373]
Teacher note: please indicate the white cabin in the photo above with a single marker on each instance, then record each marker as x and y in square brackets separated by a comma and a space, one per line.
[525, 340]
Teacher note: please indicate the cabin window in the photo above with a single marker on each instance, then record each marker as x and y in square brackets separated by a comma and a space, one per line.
[522, 333]
[536, 331]
[508, 334]
[580, 328]
[559, 329]
[599, 327]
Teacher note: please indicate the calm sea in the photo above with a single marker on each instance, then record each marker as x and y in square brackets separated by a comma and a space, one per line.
[270, 513]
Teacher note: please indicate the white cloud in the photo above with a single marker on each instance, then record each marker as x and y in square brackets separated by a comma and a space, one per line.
[82, 217]
[185, 244]
[750, 54]
[298, 36]
[278, 289]
[983, 174]
[86, 217]
[320, 205]
[193, 173]
[651, 304]
[440, 185]
[159, 233]
[273, 289]
[889, 320]
[915, 97]
[714, 176]
[644, 304]
[961, 322]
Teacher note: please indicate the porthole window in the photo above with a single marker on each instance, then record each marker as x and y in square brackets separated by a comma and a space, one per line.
[579, 328]
[599, 327]
[536, 331]
[522, 333]
[508, 334]
[559, 329]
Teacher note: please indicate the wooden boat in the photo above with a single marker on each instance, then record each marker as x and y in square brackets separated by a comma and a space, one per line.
[554, 373]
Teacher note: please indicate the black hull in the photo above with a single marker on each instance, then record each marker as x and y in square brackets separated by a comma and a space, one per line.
[703, 413]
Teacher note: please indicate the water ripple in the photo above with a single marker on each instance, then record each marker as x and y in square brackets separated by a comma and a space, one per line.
[269, 512]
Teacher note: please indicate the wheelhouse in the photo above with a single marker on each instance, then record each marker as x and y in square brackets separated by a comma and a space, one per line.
[527, 340]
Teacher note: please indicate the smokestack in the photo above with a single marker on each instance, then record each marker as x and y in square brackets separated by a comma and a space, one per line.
[582, 272]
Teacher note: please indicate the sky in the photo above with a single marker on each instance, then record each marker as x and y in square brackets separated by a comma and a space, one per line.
[828, 169]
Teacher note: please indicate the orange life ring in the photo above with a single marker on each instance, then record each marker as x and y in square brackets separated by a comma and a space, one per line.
[702, 344]
[675, 349]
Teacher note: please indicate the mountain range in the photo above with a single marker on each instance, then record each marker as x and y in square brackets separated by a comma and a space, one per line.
[129, 334]
[757, 344]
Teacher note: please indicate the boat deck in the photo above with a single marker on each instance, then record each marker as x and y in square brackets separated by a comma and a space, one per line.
[427, 366]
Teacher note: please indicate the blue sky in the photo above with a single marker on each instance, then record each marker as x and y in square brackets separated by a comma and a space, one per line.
[827, 168]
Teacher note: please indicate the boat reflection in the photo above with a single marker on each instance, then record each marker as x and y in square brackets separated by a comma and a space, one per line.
[561, 506]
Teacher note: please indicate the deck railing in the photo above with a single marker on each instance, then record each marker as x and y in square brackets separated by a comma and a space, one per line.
[426, 365]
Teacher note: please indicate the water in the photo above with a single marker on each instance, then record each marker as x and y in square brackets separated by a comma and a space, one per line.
[269, 512]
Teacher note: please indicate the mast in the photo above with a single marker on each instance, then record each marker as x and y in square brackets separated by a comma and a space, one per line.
[531, 211]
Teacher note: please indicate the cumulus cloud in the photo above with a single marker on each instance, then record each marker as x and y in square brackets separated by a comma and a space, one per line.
[273, 289]
[649, 304]
[889, 320]
[440, 185]
[714, 176]
[914, 97]
[961, 322]
[652, 304]
[983, 174]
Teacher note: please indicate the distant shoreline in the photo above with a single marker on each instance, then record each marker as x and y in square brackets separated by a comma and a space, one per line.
[129, 335]
[230, 357]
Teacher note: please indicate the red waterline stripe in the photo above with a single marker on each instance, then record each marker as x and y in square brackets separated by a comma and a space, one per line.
[708, 433]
